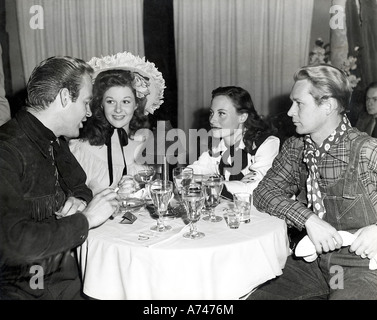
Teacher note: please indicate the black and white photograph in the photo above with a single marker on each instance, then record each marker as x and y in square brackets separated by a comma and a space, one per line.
[189, 156]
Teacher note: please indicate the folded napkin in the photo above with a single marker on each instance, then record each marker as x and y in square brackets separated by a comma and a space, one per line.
[306, 249]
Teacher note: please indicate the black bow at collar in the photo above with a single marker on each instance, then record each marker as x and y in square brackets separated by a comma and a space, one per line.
[123, 141]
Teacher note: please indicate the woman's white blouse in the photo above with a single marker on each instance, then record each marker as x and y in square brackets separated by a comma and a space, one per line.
[261, 162]
[93, 160]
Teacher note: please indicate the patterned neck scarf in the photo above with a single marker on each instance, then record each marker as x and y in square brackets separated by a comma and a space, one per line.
[312, 157]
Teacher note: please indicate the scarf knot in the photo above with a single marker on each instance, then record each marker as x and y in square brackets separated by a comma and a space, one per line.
[313, 155]
[238, 161]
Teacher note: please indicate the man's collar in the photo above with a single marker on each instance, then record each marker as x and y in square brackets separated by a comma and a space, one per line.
[36, 131]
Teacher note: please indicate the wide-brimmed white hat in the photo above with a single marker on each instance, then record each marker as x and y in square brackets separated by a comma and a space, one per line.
[148, 83]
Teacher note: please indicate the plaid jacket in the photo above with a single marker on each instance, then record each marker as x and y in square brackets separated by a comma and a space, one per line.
[276, 194]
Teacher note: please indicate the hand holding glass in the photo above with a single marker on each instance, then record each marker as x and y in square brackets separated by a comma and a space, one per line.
[193, 199]
[212, 185]
[161, 193]
[127, 186]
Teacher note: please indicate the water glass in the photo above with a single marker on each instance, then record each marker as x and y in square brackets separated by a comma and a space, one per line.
[182, 176]
[243, 202]
[127, 187]
[161, 193]
[234, 219]
[193, 200]
[212, 186]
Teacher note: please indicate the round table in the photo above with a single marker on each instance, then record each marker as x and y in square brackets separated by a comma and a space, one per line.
[129, 261]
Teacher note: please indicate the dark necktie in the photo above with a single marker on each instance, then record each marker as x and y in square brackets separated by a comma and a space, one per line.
[123, 141]
[237, 163]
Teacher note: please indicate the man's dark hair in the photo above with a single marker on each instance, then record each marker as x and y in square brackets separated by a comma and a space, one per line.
[52, 75]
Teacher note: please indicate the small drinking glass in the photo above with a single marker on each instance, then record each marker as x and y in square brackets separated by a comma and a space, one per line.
[233, 219]
[182, 176]
[193, 199]
[161, 193]
[127, 186]
[212, 186]
[242, 201]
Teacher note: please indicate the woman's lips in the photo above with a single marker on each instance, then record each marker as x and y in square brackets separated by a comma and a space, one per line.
[118, 117]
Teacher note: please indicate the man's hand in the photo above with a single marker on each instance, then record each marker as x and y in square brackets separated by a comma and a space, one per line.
[102, 206]
[71, 206]
[365, 245]
[324, 236]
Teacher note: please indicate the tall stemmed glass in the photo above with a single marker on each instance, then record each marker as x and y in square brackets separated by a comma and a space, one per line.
[161, 193]
[212, 186]
[182, 176]
[193, 199]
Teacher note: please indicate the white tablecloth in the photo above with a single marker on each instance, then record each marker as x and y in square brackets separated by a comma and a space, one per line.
[122, 261]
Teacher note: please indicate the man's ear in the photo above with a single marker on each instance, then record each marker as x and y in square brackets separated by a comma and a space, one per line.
[331, 105]
[65, 97]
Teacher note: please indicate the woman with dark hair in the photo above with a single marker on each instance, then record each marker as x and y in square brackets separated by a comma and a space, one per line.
[113, 138]
[243, 145]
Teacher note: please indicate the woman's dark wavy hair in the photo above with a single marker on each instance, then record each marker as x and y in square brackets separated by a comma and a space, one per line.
[97, 128]
[256, 129]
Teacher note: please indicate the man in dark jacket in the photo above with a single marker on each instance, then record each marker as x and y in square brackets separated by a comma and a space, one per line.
[367, 119]
[46, 209]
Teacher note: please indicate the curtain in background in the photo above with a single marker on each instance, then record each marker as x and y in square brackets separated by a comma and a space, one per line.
[159, 44]
[79, 28]
[361, 26]
[255, 44]
[4, 105]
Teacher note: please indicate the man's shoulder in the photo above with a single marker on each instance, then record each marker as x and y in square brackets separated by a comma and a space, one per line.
[366, 143]
[294, 142]
[355, 134]
[10, 131]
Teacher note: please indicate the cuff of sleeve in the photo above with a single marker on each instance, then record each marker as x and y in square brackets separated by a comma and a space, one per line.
[305, 216]
[80, 225]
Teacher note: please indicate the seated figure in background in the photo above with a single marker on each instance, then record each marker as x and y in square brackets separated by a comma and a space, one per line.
[243, 145]
[367, 119]
[111, 140]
